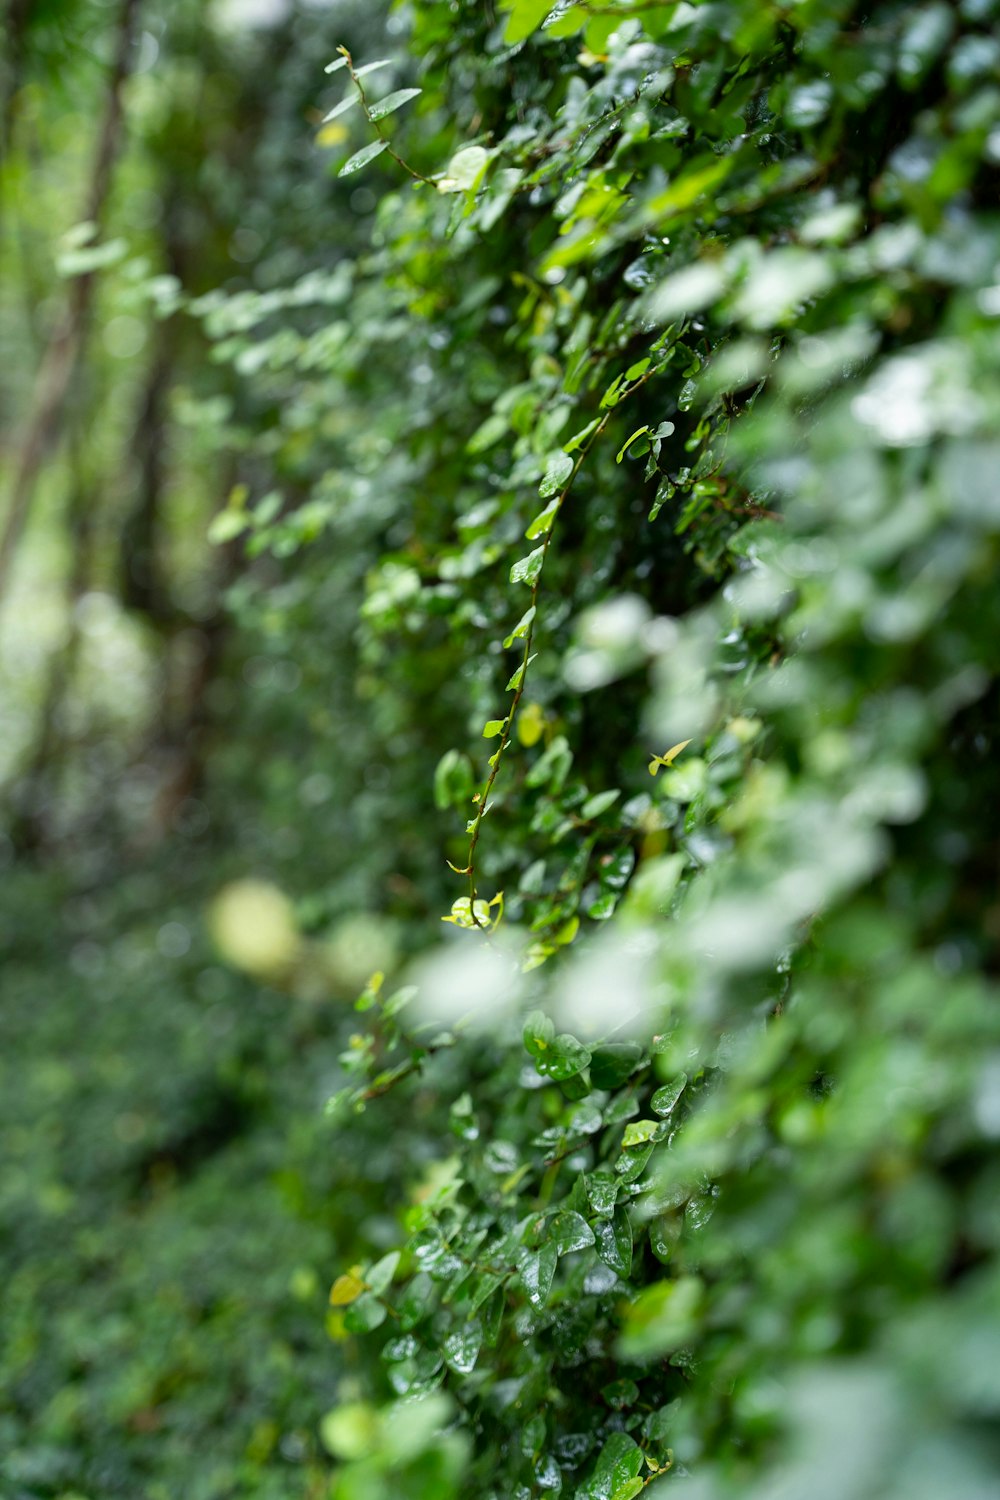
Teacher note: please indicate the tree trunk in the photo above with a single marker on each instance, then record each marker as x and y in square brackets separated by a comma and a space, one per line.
[39, 783]
[62, 354]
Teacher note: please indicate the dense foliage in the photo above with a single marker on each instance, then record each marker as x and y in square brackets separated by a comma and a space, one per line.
[608, 513]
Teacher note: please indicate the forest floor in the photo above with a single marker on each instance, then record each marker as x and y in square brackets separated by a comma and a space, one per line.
[164, 1272]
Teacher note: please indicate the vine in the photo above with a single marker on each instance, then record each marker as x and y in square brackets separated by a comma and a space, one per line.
[519, 677]
[374, 115]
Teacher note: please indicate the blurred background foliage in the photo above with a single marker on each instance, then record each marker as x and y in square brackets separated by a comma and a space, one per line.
[557, 441]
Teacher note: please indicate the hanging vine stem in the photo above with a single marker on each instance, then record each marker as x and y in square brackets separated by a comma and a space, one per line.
[376, 124]
[522, 673]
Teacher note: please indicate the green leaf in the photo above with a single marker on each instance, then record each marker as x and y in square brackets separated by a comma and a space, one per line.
[265, 511]
[351, 1431]
[409, 1429]
[614, 1062]
[639, 432]
[91, 258]
[417, 1302]
[665, 492]
[569, 1231]
[616, 1470]
[373, 67]
[564, 1058]
[362, 158]
[526, 16]
[687, 291]
[461, 1348]
[567, 932]
[624, 1106]
[664, 1233]
[925, 35]
[227, 525]
[528, 569]
[382, 1272]
[603, 906]
[662, 1318]
[665, 1098]
[391, 103]
[364, 1315]
[602, 1192]
[599, 29]
[558, 468]
[453, 783]
[568, 23]
[552, 766]
[537, 1033]
[336, 65]
[600, 802]
[488, 433]
[555, 1057]
[468, 914]
[517, 677]
[620, 1394]
[493, 727]
[521, 628]
[493, 1311]
[616, 870]
[579, 438]
[342, 108]
[688, 188]
[613, 1238]
[465, 171]
[536, 1269]
[639, 1132]
[613, 394]
[543, 521]
[632, 1163]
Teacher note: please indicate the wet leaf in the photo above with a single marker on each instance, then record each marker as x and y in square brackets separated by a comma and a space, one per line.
[614, 1242]
[362, 158]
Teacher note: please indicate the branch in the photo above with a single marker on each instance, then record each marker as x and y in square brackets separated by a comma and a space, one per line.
[376, 124]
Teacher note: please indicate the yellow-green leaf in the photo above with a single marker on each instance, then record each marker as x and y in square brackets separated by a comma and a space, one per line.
[530, 724]
[346, 1289]
[667, 759]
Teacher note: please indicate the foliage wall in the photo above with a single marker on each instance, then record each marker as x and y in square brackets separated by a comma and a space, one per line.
[603, 497]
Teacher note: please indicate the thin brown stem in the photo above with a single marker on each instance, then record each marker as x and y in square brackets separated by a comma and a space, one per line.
[376, 124]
